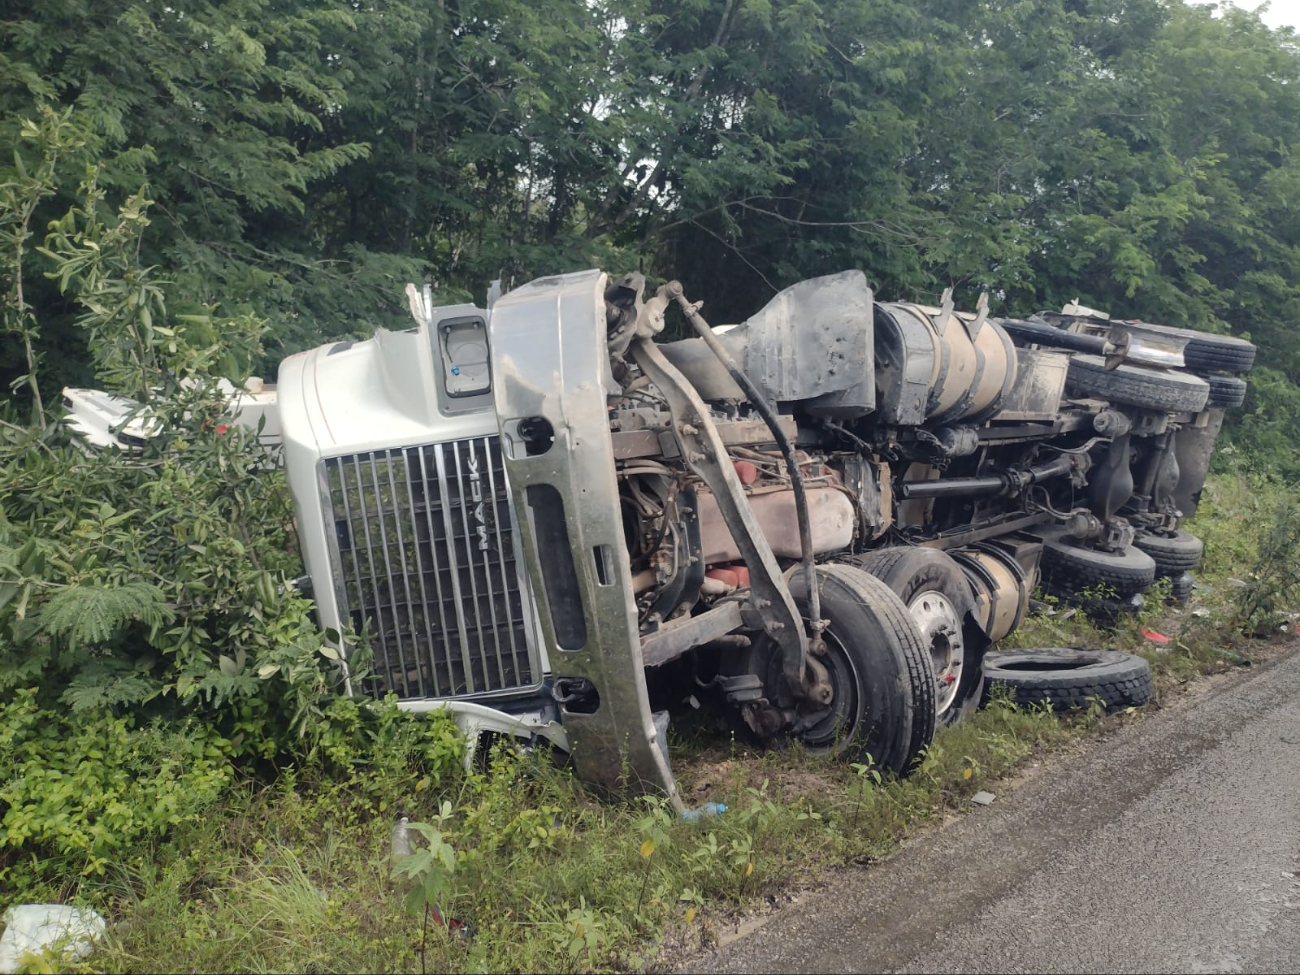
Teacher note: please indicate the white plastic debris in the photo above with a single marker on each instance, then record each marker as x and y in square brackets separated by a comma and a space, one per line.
[401, 842]
[983, 798]
[1074, 308]
[36, 929]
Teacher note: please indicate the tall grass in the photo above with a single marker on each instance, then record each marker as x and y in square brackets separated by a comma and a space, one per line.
[295, 877]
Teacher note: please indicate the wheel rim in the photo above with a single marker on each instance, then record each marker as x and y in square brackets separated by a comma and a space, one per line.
[940, 626]
[839, 726]
[832, 727]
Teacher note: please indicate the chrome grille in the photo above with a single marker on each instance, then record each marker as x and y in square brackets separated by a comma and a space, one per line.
[426, 558]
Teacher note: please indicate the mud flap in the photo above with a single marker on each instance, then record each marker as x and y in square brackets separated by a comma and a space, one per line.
[551, 377]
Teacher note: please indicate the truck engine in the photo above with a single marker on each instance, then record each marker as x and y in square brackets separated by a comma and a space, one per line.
[824, 514]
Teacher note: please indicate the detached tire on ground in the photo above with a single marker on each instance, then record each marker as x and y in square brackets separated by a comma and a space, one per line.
[1068, 678]
[1070, 568]
[879, 668]
[940, 600]
[1173, 553]
[1165, 390]
[1226, 391]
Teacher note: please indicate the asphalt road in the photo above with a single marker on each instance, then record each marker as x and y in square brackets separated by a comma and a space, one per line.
[1173, 846]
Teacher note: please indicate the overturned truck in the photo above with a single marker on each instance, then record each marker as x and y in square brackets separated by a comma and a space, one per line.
[824, 514]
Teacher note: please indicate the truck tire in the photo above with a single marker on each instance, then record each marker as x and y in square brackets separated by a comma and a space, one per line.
[884, 704]
[1219, 352]
[1167, 390]
[1226, 391]
[1069, 678]
[1069, 568]
[1174, 553]
[1207, 351]
[940, 599]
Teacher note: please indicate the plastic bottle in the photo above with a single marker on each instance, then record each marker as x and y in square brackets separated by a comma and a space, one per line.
[706, 811]
[401, 842]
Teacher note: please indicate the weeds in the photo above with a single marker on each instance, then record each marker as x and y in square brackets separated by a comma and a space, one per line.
[1272, 591]
[296, 875]
[430, 869]
[868, 780]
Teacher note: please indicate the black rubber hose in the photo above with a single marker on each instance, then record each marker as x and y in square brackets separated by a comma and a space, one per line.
[674, 290]
[1058, 337]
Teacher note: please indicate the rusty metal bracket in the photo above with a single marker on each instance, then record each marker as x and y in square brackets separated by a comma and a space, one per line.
[981, 316]
[706, 455]
[945, 311]
[676, 638]
[629, 315]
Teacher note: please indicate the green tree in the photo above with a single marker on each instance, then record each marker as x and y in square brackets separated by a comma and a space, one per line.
[306, 158]
[218, 106]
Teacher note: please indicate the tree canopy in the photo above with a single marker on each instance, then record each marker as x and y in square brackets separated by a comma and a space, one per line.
[303, 159]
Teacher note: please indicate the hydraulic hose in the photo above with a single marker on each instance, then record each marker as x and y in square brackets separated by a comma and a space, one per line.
[674, 290]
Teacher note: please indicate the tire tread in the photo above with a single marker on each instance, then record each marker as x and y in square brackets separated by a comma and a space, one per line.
[1121, 680]
[1062, 567]
[1174, 392]
[920, 671]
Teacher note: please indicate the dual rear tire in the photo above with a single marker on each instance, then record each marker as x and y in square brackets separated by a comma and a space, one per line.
[1175, 554]
[941, 602]
[1070, 568]
[1164, 390]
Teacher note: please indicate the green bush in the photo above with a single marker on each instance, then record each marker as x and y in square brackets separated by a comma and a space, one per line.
[87, 786]
[148, 637]
[382, 750]
[157, 581]
[1272, 590]
[1261, 437]
[1234, 513]
[150, 581]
